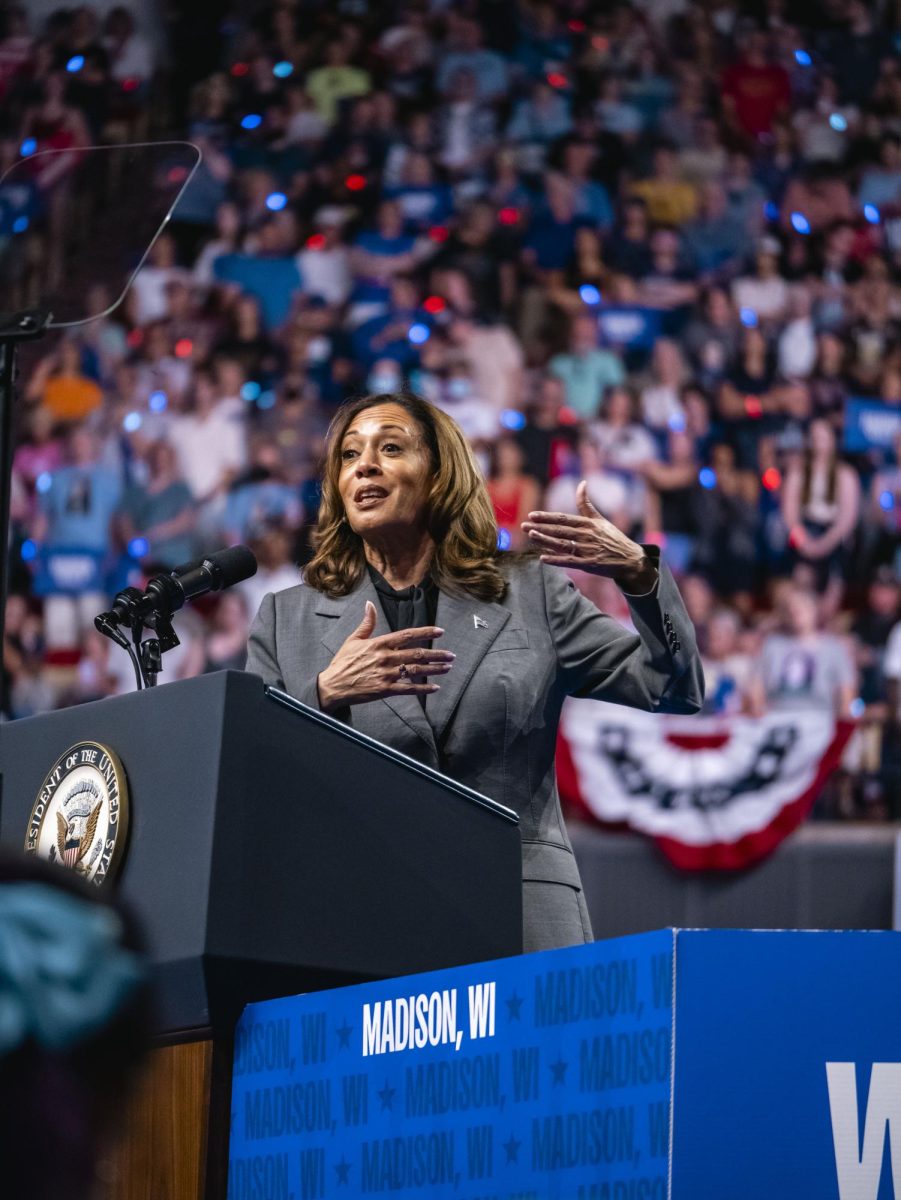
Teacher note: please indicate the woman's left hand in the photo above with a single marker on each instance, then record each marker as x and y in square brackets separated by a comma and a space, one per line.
[589, 542]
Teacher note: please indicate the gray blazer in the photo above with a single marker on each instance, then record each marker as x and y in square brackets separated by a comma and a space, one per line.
[493, 724]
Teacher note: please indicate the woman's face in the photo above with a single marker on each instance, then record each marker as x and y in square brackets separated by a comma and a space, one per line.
[801, 614]
[508, 456]
[385, 472]
[587, 241]
[718, 307]
[822, 439]
[619, 408]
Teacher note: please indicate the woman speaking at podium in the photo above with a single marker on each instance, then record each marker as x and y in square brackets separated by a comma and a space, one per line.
[412, 627]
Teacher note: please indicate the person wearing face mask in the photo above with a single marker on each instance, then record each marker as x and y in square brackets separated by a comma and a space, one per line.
[412, 627]
[385, 376]
[460, 399]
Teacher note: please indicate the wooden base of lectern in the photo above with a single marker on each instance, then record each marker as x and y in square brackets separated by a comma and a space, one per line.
[173, 1140]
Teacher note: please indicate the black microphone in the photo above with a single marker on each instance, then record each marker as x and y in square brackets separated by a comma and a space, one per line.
[166, 594]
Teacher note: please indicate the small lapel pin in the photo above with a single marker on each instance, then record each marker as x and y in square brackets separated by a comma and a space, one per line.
[478, 622]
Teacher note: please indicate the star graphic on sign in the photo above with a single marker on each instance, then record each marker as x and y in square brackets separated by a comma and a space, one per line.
[558, 1070]
[344, 1031]
[511, 1149]
[514, 1004]
[343, 1170]
[386, 1095]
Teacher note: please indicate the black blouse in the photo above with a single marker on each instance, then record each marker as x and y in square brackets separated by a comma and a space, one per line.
[406, 608]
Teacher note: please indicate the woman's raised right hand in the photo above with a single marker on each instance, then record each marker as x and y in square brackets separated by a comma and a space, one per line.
[369, 668]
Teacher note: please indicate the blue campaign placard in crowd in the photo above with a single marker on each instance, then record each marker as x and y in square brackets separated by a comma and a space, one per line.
[546, 1075]
[629, 325]
[871, 425]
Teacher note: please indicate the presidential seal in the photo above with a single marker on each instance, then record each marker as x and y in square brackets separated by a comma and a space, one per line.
[80, 817]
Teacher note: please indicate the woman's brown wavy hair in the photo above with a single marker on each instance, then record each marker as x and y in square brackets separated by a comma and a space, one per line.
[460, 516]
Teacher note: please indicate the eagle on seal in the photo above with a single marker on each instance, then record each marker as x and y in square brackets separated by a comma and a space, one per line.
[73, 846]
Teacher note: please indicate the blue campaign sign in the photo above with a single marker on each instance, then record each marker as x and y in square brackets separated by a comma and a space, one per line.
[788, 1066]
[629, 325]
[546, 1075]
[871, 425]
[778, 1055]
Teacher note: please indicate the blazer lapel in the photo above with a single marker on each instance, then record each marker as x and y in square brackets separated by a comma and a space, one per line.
[470, 627]
[349, 612]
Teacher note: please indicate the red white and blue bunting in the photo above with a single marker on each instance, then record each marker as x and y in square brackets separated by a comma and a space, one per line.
[715, 793]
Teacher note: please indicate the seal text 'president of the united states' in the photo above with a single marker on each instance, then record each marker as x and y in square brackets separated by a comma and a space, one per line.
[411, 626]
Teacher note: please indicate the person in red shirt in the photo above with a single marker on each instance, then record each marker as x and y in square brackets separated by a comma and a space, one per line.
[755, 92]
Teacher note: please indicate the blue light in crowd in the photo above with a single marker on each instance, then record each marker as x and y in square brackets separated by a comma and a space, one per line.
[707, 477]
[44, 482]
[871, 213]
[589, 294]
[504, 541]
[20, 224]
[511, 419]
[800, 224]
[158, 401]
[802, 58]
[138, 547]
[251, 121]
[886, 501]
[29, 550]
[419, 333]
[676, 422]
[771, 210]
[838, 122]
[250, 391]
[856, 707]
[283, 69]
[131, 422]
[266, 399]
[748, 318]
[276, 201]
[75, 63]
[28, 147]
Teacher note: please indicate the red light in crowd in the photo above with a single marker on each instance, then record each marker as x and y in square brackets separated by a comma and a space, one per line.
[135, 337]
[599, 42]
[556, 80]
[316, 241]
[355, 183]
[753, 407]
[508, 216]
[130, 85]
[796, 536]
[567, 416]
[575, 26]
[239, 69]
[438, 233]
[771, 478]
[183, 348]
[177, 174]
[434, 304]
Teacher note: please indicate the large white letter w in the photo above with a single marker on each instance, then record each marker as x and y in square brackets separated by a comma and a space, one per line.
[859, 1171]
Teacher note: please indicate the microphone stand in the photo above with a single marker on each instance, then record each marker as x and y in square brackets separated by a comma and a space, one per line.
[146, 656]
[151, 651]
[25, 326]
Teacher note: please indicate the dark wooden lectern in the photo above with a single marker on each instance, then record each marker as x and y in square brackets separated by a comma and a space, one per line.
[271, 850]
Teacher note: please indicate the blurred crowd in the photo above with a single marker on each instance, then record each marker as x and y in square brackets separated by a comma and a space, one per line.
[652, 245]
